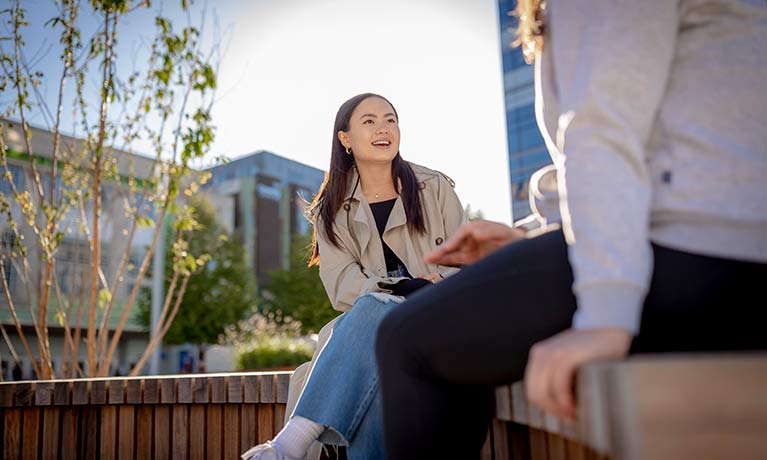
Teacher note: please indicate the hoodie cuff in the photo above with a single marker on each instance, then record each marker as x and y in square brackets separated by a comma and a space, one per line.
[614, 305]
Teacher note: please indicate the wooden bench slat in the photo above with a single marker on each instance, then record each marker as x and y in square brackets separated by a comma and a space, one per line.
[90, 430]
[266, 387]
[197, 429]
[108, 432]
[217, 390]
[265, 422]
[234, 388]
[162, 431]
[80, 392]
[283, 383]
[151, 391]
[31, 429]
[503, 403]
[70, 435]
[43, 393]
[248, 427]
[250, 387]
[62, 393]
[6, 395]
[50, 432]
[231, 431]
[126, 439]
[133, 391]
[180, 437]
[167, 391]
[24, 394]
[11, 433]
[145, 430]
[115, 391]
[184, 388]
[201, 390]
[519, 404]
[215, 431]
[98, 392]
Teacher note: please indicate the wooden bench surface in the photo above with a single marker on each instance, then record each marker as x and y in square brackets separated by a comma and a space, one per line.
[676, 406]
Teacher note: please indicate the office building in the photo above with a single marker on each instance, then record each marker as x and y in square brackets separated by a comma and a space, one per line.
[266, 196]
[527, 152]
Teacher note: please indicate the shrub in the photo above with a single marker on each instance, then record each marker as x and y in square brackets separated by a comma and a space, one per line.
[279, 353]
[268, 341]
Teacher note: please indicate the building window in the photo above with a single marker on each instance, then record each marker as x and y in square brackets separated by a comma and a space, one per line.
[18, 179]
[237, 211]
[6, 244]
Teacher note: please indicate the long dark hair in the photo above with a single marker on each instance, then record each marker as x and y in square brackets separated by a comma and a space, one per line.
[330, 197]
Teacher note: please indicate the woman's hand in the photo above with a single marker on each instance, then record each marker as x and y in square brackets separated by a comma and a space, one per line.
[433, 277]
[550, 372]
[472, 242]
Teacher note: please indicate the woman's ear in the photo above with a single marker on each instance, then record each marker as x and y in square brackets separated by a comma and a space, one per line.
[344, 138]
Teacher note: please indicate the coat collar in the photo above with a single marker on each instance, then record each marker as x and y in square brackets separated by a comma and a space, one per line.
[362, 218]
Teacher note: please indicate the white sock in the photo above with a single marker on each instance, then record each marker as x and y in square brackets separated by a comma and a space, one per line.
[296, 436]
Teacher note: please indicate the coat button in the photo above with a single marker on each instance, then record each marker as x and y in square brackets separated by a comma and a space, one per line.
[422, 185]
[439, 241]
[347, 207]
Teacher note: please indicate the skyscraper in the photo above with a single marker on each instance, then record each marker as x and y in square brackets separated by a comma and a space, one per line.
[527, 152]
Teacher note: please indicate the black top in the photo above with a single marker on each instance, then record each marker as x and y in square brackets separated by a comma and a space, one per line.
[381, 212]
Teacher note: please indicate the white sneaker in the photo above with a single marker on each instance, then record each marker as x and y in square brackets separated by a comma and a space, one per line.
[265, 451]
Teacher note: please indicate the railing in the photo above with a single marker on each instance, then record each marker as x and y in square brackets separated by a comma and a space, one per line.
[206, 416]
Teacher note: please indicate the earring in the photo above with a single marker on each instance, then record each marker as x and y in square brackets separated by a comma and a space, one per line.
[348, 150]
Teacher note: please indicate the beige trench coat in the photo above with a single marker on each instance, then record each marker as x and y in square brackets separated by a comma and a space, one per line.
[358, 267]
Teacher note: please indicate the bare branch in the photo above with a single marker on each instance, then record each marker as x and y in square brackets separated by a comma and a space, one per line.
[159, 335]
[16, 322]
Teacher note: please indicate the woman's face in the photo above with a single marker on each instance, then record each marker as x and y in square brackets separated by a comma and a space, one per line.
[373, 133]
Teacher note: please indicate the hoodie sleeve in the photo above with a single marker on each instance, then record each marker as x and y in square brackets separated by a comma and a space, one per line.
[611, 61]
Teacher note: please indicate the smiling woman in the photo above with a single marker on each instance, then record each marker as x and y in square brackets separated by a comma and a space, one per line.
[361, 122]
[375, 217]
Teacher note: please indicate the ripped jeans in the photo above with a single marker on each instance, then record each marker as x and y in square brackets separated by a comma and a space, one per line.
[342, 391]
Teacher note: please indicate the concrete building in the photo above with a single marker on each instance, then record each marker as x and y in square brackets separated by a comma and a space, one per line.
[527, 152]
[267, 194]
[73, 256]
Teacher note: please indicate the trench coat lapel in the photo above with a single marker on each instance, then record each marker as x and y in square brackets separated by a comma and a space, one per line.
[362, 216]
[396, 227]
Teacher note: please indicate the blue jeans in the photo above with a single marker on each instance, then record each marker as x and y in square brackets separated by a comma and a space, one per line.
[342, 391]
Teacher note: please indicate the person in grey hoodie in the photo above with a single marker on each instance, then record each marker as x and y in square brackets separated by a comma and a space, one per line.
[653, 112]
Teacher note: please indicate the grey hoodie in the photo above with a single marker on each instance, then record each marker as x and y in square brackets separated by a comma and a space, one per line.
[654, 112]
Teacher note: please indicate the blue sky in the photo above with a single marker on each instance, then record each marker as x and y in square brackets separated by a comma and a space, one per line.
[287, 65]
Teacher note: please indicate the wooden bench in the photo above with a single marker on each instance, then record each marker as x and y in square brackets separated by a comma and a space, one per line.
[656, 407]
[206, 416]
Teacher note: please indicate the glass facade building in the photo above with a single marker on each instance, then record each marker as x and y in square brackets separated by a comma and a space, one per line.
[527, 152]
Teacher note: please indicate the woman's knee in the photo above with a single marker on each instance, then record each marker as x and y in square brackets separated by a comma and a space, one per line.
[371, 307]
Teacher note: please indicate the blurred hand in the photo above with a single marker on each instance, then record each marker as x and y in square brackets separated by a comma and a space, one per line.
[433, 277]
[472, 242]
[550, 372]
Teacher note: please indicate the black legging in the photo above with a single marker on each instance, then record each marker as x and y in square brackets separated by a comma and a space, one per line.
[442, 352]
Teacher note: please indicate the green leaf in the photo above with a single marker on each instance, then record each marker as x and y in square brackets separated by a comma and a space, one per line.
[144, 222]
[104, 298]
[59, 318]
